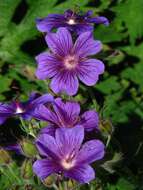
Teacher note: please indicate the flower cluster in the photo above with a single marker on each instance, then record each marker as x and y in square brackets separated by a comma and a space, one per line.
[68, 60]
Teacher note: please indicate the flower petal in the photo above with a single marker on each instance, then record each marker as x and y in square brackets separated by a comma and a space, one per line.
[7, 109]
[48, 23]
[65, 82]
[99, 20]
[48, 65]
[61, 42]
[82, 174]
[69, 140]
[47, 146]
[81, 28]
[90, 120]
[72, 108]
[2, 120]
[50, 130]
[85, 45]
[68, 112]
[14, 147]
[89, 71]
[43, 168]
[91, 151]
[42, 100]
[43, 113]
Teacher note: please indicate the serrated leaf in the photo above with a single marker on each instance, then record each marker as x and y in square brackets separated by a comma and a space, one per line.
[135, 74]
[130, 12]
[108, 34]
[136, 51]
[109, 85]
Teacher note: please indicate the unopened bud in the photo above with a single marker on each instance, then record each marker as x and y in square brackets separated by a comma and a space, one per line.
[26, 170]
[28, 148]
[29, 187]
[49, 181]
[106, 127]
[71, 184]
[4, 157]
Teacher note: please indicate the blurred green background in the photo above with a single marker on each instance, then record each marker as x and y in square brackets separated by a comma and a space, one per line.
[119, 92]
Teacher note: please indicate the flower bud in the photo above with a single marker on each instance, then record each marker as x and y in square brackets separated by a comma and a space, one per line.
[26, 170]
[28, 148]
[4, 157]
[106, 127]
[49, 181]
[29, 187]
[71, 184]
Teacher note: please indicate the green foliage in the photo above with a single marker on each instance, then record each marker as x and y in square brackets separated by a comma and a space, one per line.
[130, 13]
[109, 85]
[4, 83]
[121, 185]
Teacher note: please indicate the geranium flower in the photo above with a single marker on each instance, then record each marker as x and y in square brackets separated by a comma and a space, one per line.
[75, 22]
[67, 63]
[23, 109]
[65, 154]
[65, 115]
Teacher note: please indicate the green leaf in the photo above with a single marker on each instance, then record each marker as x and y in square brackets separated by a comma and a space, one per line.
[109, 85]
[130, 12]
[108, 34]
[4, 83]
[136, 51]
[122, 184]
[7, 8]
[134, 74]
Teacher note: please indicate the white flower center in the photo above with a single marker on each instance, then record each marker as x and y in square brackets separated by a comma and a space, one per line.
[19, 110]
[69, 161]
[68, 164]
[71, 21]
[70, 62]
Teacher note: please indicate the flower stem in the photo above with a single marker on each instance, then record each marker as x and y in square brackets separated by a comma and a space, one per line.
[23, 127]
[93, 99]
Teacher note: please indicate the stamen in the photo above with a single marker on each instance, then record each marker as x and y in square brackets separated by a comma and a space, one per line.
[68, 164]
[70, 62]
[69, 161]
[19, 110]
[71, 21]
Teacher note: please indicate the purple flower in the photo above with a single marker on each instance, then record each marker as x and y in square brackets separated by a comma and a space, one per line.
[64, 154]
[72, 21]
[65, 115]
[68, 62]
[23, 109]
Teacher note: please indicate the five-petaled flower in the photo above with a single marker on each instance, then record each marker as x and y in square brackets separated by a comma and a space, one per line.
[65, 114]
[65, 154]
[23, 109]
[75, 22]
[67, 63]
